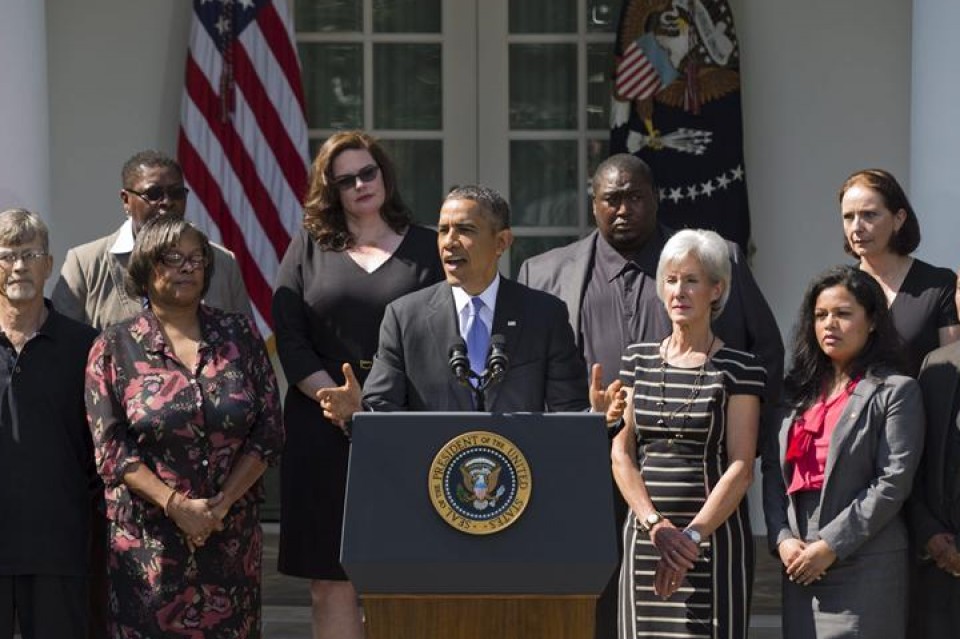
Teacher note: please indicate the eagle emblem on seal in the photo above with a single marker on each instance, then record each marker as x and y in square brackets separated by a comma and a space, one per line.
[479, 486]
[681, 53]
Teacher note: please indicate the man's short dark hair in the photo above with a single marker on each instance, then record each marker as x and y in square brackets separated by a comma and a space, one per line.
[133, 167]
[623, 163]
[490, 199]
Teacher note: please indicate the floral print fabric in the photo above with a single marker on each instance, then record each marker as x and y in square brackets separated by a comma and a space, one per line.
[190, 428]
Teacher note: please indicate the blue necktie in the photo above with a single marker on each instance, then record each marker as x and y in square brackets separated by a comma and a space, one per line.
[478, 337]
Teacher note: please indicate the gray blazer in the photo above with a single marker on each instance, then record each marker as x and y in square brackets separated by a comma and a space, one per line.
[91, 287]
[746, 324]
[874, 452]
[410, 370]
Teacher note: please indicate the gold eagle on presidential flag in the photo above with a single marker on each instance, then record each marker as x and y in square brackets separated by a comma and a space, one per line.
[676, 69]
[678, 54]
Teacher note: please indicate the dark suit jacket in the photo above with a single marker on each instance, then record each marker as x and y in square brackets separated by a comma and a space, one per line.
[874, 452]
[410, 370]
[933, 491]
[746, 324]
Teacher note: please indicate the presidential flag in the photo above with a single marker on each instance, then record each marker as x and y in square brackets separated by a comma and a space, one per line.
[243, 136]
[676, 105]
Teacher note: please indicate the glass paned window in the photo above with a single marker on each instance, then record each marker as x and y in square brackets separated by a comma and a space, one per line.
[602, 15]
[407, 16]
[543, 16]
[419, 165]
[543, 182]
[407, 87]
[328, 16]
[543, 86]
[333, 84]
[599, 65]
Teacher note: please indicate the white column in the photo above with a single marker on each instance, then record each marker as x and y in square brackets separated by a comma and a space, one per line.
[935, 129]
[24, 127]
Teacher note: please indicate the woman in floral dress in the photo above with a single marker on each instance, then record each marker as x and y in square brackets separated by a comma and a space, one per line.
[184, 410]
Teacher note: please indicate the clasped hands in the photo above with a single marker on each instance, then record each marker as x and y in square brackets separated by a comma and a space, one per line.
[943, 550]
[805, 562]
[677, 556]
[339, 403]
[197, 518]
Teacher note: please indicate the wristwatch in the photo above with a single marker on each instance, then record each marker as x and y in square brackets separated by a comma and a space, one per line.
[651, 520]
[693, 535]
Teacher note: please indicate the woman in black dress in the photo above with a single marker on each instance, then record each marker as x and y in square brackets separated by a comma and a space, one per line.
[357, 252]
[881, 229]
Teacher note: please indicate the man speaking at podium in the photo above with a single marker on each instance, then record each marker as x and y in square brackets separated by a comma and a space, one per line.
[478, 341]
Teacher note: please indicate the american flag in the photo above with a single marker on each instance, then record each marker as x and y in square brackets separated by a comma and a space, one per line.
[243, 136]
[636, 79]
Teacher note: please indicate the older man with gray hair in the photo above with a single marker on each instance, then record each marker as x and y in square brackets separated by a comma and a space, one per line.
[48, 483]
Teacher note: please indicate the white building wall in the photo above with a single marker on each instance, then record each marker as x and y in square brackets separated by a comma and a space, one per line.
[826, 89]
[24, 160]
[935, 130]
[115, 74]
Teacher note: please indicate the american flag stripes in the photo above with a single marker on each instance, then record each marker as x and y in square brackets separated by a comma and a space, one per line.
[243, 136]
[636, 77]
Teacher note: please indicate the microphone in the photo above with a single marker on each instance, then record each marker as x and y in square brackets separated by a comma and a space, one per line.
[497, 360]
[459, 362]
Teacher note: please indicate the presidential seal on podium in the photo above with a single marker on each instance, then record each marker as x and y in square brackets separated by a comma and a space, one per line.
[480, 482]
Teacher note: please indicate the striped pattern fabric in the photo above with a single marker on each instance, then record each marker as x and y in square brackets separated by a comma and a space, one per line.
[681, 461]
[636, 79]
[243, 136]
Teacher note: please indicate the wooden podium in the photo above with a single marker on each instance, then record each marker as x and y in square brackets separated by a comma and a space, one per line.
[421, 577]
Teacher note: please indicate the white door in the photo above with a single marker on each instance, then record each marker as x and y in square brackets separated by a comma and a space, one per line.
[512, 94]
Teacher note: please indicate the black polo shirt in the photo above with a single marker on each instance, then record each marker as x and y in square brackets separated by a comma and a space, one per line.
[620, 304]
[48, 480]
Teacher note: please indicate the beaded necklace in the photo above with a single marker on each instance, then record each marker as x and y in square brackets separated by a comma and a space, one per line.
[694, 392]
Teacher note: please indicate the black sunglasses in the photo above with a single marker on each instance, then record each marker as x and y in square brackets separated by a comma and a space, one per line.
[349, 180]
[156, 192]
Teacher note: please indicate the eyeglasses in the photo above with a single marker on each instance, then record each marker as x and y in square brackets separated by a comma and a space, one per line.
[156, 192]
[173, 259]
[349, 180]
[31, 256]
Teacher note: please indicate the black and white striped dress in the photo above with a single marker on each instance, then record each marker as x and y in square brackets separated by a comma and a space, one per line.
[682, 460]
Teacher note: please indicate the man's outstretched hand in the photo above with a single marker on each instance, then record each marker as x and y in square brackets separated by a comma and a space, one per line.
[339, 403]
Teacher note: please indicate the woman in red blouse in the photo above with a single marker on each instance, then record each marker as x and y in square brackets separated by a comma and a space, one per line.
[183, 406]
[843, 465]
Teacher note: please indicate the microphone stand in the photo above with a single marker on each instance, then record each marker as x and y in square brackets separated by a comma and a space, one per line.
[494, 372]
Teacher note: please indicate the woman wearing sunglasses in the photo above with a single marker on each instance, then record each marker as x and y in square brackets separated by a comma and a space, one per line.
[185, 416]
[357, 252]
